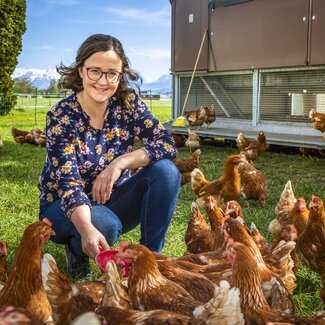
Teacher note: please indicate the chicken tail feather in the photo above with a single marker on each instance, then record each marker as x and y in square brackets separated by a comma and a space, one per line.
[223, 308]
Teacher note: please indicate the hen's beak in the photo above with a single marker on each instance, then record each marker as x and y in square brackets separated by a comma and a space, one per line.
[52, 232]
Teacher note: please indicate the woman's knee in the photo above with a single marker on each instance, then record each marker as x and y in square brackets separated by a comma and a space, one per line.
[165, 169]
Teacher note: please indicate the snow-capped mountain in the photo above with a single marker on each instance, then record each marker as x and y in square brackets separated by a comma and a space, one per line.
[41, 78]
[162, 85]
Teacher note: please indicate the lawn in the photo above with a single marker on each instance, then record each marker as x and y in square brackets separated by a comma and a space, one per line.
[20, 166]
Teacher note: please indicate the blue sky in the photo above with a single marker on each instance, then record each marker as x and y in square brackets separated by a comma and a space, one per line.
[56, 28]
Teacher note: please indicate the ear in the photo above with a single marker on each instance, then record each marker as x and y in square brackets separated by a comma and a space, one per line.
[80, 72]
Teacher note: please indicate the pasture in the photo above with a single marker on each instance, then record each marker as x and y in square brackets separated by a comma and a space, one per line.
[20, 166]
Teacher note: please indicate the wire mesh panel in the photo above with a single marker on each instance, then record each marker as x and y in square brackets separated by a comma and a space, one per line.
[290, 95]
[231, 95]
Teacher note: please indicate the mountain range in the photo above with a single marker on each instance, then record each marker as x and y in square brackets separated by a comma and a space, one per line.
[41, 79]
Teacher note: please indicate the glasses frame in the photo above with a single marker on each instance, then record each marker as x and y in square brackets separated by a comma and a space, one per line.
[120, 74]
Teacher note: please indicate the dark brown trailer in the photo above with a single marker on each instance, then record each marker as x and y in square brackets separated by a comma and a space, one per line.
[262, 66]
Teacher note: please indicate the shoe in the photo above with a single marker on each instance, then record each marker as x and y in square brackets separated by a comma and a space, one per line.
[77, 267]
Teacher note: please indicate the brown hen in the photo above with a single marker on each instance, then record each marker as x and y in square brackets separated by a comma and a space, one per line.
[252, 148]
[223, 189]
[289, 233]
[21, 136]
[210, 115]
[197, 285]
[24, 287]
[195, 227]
[274, 289]
[193, 141]
[246, 277]
[311, 242]
[260, 240]
[318, 120]
[179, 139]
[195, 118]
[70, 300]
[3, 261]
[288, 211]
[186, 165]
[39, 137]
[149, 289]
[115, 315]
[234, 210]
[65, 298]
[252, 183]
[200, 239]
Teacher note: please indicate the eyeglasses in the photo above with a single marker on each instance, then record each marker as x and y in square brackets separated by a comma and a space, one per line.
[111, 76]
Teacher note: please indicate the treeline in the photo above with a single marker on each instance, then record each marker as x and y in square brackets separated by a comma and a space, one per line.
[25, 86]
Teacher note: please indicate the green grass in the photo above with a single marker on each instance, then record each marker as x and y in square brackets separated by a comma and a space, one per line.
[20, 166]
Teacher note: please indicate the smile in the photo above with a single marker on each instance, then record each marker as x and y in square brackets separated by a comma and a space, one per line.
[101, 90]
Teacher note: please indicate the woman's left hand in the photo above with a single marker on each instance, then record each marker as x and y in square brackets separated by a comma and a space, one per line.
[104, 183]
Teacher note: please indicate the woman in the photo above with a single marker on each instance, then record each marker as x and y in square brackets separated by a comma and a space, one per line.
[85, 187]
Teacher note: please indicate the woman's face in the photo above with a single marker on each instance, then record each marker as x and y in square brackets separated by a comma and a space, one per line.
[108, 62]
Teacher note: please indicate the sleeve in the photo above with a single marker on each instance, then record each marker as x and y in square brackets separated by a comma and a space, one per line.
[157, 142]
[61, 155]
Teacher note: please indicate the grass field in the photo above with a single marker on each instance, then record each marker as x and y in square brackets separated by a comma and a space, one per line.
[29, 113]
[20, 166]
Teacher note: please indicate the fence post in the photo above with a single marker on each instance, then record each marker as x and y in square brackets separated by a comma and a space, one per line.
[150, 100]
[35, 106]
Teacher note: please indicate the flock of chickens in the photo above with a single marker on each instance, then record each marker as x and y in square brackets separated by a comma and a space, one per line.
[203, 115]
[35, 136]
[230, 274]
[208, 115]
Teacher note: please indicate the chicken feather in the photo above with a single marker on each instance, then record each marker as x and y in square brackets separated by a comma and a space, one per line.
[223, 308]
[24, 287]
[223, 189]
[149, 289]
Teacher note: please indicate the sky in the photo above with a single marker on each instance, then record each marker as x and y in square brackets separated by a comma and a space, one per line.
[56, 29]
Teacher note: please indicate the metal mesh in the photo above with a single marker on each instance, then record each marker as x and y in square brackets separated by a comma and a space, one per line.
[231, 95]
[289, 95]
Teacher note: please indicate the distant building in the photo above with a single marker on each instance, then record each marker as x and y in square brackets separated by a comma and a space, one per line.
[148, 94]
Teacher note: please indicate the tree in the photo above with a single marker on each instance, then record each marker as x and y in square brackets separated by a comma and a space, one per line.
[24, 86]
[12, 28]
[53, 88]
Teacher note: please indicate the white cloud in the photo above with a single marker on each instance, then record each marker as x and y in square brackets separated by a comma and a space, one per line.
[149, 53]
[152, 63]
[143, 16]
[50, 48]
[63, 2]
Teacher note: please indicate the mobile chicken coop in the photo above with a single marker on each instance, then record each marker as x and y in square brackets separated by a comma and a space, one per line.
[261, 64]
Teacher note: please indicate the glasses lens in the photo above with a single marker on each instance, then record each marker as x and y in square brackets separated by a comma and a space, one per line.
[94, 74]
[112, 76]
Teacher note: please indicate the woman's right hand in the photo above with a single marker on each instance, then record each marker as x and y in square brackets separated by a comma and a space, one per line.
[92, 240]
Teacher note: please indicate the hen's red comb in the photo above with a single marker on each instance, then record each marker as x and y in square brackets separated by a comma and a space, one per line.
[123, 245]
[47, 221]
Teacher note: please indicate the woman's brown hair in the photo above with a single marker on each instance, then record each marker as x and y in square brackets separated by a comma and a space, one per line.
[70, 78]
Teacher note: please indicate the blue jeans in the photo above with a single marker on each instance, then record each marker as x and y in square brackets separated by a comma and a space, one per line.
[147, 198]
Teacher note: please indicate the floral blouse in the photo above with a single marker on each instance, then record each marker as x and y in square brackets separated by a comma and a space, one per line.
[78, 152]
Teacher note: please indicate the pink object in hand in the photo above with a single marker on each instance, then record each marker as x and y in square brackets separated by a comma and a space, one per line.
[104, 256]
